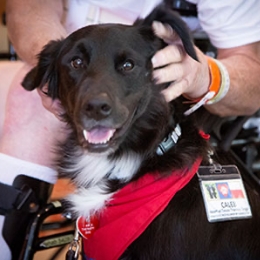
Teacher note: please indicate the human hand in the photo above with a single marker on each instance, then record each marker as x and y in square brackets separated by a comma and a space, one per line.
[53, 105]
[187, 76]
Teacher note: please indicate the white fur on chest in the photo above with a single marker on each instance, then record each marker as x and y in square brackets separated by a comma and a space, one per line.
[92, 180]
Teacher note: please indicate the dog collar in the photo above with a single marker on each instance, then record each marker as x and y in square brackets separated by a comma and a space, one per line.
[169, 141]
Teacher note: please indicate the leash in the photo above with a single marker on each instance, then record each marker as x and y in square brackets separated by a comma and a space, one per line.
[73, 251]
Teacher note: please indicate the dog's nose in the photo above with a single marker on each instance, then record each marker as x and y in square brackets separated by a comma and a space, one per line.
[98, 107]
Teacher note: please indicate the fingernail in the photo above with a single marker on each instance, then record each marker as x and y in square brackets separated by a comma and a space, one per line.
[156, 79]
[153, 60]
[44, 92]
[157, 26]
[166, 95]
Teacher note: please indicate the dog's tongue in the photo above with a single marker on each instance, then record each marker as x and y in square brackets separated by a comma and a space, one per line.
[99, 135]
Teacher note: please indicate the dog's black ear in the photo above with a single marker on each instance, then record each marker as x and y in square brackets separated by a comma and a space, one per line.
[45, 71]
[165, 15]
[29, 82]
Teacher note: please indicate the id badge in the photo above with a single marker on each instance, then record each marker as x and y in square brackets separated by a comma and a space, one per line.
[223, 193]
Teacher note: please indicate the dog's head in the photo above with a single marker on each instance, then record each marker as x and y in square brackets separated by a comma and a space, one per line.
[102, 74]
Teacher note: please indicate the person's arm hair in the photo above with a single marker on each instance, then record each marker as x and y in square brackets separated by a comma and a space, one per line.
[32, 24]
[243, 65]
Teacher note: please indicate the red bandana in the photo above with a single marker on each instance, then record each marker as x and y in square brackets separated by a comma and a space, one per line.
[130, 212]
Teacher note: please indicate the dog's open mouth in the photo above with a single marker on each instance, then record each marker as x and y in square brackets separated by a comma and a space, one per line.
[101, 138]
[98, 135]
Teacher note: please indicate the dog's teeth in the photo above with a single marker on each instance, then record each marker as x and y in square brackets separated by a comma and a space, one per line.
[99, 135]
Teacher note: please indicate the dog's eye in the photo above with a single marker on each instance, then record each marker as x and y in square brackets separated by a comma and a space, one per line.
[77, 63]
[128, 65]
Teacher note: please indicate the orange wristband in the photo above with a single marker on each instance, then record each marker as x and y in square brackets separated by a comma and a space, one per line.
[214, 87]
[215, 81]
[215, 76]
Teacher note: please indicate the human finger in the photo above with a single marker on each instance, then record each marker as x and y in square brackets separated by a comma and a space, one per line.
[165, 32]
[54, 106]
[46, 100]
[169, 54]
[44, 89]
[172, 72]
[174, 90]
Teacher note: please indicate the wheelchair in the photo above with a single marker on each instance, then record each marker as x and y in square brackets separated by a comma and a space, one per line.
[27, 208]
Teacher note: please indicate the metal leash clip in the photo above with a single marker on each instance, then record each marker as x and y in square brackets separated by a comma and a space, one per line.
[215, 167]
[73, 251]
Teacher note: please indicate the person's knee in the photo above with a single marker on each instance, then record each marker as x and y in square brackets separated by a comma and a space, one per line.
[8, 70]
[29, 131]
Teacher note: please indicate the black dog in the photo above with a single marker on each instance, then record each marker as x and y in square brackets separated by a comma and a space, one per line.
[123, 130]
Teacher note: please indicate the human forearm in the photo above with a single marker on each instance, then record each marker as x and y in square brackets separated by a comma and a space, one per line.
[192, 78]
[32, 24]
[243, 97]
